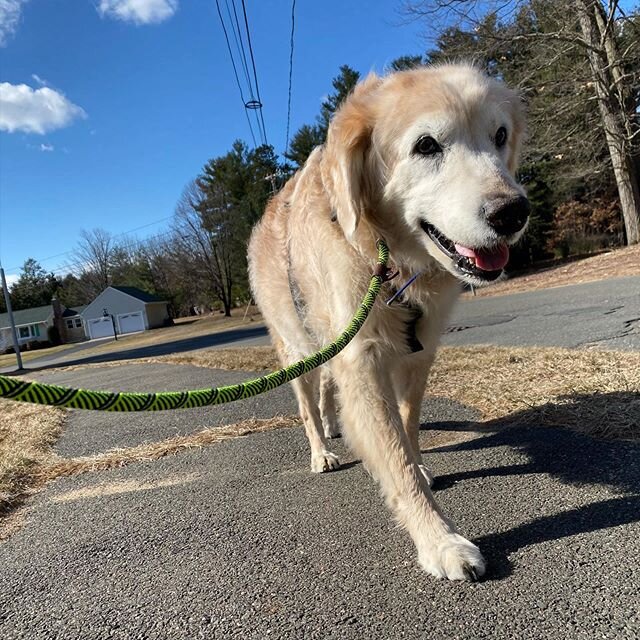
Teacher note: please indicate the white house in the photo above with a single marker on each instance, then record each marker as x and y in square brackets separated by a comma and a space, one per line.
[33, 325]
[128, 309]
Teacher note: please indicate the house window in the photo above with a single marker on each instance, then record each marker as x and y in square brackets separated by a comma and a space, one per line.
[69, 324]
[78, 322]
[30, 331]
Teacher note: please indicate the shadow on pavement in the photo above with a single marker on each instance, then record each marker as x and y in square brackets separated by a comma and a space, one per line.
[568, 455]
[592, 517]
[162, 349]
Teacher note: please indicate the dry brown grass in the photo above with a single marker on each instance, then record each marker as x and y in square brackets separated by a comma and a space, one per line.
[61, 467]
[613, 264]
[9, 359]
[597, 392]
[27, 433]
[27, 462]
[240, 359]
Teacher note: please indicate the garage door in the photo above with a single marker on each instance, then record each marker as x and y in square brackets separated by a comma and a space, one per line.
[131, 322]
[100, 327]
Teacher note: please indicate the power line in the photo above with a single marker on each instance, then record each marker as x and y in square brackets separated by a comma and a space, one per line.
[235, 72]
[255, 74]
[293, 26]
[117, 235]
[237, 35]
[131, 244]
[252, 103]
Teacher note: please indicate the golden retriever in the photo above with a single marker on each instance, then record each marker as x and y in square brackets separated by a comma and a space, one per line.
[424, 159]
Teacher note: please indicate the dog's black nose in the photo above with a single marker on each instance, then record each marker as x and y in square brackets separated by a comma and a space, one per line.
[507, 215]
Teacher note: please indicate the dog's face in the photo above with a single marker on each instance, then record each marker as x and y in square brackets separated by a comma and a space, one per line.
[435, 159]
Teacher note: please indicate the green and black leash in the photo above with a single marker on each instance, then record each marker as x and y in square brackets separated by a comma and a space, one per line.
[56, 396]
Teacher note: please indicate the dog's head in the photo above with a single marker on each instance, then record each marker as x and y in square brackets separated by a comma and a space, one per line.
[429, 157]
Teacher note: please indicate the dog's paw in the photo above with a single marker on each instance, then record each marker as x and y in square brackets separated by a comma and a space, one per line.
[427, 474]
[330, 428]
[453, 557]
[324, 461]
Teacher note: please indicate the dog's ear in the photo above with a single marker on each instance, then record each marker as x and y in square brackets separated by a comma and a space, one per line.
[343, 162]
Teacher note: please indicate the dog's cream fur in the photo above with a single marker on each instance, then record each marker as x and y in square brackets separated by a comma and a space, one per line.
[368, 176]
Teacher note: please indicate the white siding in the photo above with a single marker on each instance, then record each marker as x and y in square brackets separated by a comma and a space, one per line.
[131, 322]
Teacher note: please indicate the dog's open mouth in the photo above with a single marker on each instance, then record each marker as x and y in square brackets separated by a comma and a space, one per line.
[485, 264]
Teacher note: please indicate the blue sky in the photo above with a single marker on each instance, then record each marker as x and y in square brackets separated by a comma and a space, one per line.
[117, 104]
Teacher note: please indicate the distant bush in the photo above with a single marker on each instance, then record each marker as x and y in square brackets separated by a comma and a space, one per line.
[580, 227]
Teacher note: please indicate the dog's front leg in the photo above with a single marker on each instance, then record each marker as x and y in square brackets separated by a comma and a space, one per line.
[328, 405]
[409, 377]
[373, 429]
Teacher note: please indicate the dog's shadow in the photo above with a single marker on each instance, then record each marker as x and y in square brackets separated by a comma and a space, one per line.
[566, 454]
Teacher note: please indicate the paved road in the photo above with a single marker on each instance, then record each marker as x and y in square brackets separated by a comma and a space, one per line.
[240, 540]
[600, 314]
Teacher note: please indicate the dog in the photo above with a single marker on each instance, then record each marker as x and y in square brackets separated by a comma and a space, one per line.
[425, 159]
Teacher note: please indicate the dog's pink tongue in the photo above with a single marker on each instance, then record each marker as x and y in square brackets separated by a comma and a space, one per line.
[486, 259]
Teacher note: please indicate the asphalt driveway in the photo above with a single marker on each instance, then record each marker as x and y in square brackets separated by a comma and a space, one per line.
[240, 540]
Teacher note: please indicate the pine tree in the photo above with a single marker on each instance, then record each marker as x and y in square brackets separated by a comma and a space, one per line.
[309, 136]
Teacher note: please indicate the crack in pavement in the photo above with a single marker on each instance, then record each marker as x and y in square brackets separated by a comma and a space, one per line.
[473, 323]
[628, 330]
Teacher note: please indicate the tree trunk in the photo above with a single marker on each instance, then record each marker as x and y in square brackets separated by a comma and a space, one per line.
[613, 118]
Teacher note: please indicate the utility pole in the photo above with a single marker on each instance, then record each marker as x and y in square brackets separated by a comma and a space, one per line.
[7, 299]
[272, 178]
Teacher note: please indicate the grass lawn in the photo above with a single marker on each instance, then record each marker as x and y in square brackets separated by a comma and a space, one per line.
[595, 392]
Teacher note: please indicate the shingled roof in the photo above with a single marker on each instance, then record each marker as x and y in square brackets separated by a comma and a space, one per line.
[27, 316]
[139, 294]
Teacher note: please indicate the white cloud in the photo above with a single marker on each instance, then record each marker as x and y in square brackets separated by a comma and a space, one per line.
[41, 81]
[138, 11]
[35, 110]
[46, 147]
[9, 18]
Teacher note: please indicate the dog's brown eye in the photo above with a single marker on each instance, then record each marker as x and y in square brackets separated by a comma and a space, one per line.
[501, 137]
[427, 146]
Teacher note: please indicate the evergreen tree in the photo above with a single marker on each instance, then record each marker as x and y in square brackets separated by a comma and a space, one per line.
[310, 136]
[34, 288]
[405, 63]
[304, 141]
